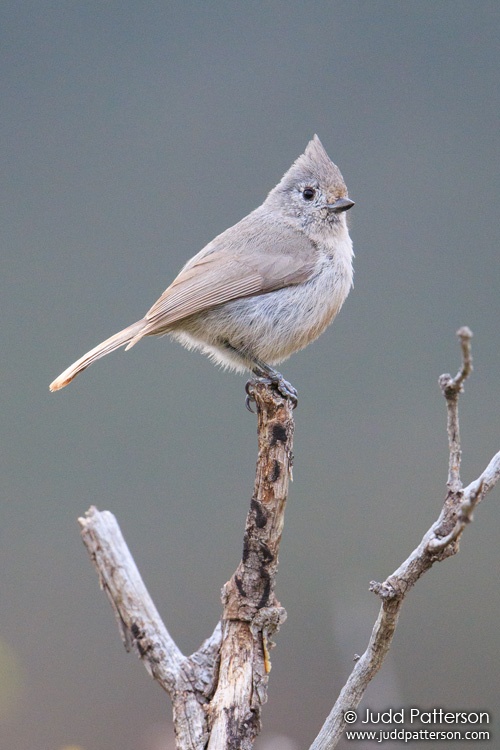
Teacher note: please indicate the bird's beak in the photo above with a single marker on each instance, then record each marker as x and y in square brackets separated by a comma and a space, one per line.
[340, 205]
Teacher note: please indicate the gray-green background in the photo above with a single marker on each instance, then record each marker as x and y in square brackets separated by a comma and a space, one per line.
[132, 133]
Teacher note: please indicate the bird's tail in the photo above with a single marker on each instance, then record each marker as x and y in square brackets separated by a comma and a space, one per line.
[115, 342]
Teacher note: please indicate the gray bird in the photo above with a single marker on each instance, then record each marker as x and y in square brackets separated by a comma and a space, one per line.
[264, 288]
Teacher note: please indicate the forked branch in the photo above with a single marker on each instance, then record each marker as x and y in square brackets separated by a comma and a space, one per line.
[439, 542]
[217, 692]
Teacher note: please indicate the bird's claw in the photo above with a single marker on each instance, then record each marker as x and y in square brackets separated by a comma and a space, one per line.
[250, 398]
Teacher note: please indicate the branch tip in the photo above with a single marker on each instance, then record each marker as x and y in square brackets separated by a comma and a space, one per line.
[464, 333]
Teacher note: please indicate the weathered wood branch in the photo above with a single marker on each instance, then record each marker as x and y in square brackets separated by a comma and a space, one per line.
[217, 692]
[186, 681]
[438, 543]
[251, 611]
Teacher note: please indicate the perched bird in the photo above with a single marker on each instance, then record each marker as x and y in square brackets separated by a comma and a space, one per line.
[264, 288]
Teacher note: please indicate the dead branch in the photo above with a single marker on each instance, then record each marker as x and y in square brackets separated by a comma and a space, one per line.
[217, 692]
[438, 543]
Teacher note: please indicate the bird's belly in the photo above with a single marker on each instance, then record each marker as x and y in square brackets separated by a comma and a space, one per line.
[269, 326]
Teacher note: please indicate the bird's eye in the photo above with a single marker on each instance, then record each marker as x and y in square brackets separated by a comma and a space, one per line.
[308, 194]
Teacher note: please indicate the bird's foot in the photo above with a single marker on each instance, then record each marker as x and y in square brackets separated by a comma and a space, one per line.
[274, 378]
[286, 389]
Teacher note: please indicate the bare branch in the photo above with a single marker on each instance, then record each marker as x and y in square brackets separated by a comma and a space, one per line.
[140, 624]
[251, 612]
[472, 496]
[451, 388]
[143, 630]
[217, 692]
[439, 542]
[364, 671]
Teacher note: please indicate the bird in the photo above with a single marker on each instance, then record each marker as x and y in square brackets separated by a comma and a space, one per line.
[264, 288]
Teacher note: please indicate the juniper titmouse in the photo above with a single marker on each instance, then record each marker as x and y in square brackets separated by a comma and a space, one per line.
[264, 288]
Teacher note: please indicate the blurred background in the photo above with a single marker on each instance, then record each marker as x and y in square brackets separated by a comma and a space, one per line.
[132, 134]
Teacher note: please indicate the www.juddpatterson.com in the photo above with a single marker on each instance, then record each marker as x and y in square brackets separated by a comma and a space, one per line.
[415, 718]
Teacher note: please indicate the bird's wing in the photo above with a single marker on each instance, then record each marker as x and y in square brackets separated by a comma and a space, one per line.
[226, 270]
